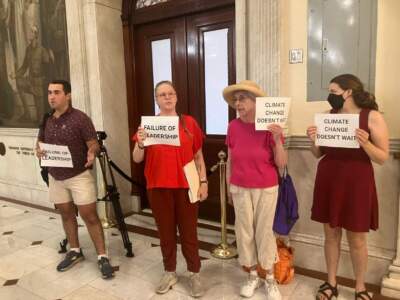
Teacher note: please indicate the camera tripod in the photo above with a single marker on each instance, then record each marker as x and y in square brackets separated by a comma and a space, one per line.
[112, 194]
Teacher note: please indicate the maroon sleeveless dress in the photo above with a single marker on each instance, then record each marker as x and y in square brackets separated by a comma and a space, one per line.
[345, 191]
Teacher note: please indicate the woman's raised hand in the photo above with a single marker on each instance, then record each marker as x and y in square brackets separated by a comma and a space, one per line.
[311, 132]
[277, 131]
[141, 136]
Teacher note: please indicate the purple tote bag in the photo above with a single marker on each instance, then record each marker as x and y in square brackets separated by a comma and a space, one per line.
[286, 213]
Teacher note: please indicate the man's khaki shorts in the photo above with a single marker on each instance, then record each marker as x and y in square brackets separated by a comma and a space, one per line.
[80, 189]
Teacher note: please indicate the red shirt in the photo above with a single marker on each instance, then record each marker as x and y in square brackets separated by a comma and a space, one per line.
[164, 163]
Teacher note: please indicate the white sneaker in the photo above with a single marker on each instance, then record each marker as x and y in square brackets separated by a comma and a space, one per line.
[271, 289]
[168, 280]
[253, 282]
[196, 288]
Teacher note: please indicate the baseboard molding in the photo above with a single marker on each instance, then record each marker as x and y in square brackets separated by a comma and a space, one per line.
[373, 251]
[29, 186]
[44, 208]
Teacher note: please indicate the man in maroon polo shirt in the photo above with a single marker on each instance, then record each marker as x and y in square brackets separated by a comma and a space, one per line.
[68, 187]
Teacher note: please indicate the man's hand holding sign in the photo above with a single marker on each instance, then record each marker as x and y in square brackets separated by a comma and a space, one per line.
[55, 156]
[60, 156]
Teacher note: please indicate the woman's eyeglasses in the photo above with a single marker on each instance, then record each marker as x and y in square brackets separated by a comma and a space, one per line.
[240, 98]
[165, 95]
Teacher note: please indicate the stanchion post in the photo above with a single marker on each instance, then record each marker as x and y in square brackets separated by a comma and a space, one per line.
[223, 250]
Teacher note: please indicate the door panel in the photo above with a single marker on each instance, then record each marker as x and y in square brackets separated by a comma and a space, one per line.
[187, 37]
[161, 63]
[216, 78]
[145, 35]
[197, 28]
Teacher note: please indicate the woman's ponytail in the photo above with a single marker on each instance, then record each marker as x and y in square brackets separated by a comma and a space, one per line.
[365, 99]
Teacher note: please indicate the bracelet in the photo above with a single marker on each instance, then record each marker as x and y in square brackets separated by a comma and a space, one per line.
[140, 147]
[204, 181]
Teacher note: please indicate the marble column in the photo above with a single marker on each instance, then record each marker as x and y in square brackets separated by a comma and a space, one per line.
[391, 282]
[97, 67]
[258, 43]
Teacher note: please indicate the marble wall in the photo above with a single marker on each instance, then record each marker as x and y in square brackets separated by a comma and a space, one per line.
[98, 88]
[106, 83]
[19, 169]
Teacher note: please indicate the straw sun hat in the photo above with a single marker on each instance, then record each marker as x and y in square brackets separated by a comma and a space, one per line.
[245, 85]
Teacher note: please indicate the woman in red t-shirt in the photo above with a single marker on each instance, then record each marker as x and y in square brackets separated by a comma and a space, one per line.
[167, 189]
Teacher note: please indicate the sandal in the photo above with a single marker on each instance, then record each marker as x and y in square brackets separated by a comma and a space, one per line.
[326, 286]
[360, 295]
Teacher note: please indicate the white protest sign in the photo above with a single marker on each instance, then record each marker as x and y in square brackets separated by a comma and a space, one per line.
[337, 130]
[271, 110]
[161, 130]
[55, 156]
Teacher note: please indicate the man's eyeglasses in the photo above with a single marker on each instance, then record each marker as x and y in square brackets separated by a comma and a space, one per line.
[165, 95]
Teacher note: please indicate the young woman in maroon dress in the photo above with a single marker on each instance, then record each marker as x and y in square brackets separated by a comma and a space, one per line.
[345, 193]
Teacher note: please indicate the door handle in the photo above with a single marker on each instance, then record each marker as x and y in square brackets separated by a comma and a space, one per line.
[324, 46]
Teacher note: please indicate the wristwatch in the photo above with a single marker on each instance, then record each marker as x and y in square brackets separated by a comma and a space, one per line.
[204, 181]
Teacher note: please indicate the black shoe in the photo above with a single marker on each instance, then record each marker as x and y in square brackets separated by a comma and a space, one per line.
[105, 268]
[71, 258]
[324, 288]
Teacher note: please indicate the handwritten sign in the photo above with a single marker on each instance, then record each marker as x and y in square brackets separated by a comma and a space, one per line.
[337, 130]
[271, 110]
[55, 156]
[161, 130]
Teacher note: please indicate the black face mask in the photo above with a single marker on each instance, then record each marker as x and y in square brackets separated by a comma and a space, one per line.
[336, 101]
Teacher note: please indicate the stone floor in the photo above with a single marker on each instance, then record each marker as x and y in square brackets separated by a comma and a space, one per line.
[29, 244]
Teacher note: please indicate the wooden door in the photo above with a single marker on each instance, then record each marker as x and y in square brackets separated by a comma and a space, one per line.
[198, 27]
[181, 49]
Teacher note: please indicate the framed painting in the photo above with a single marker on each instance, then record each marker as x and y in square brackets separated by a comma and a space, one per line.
[33, 51]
